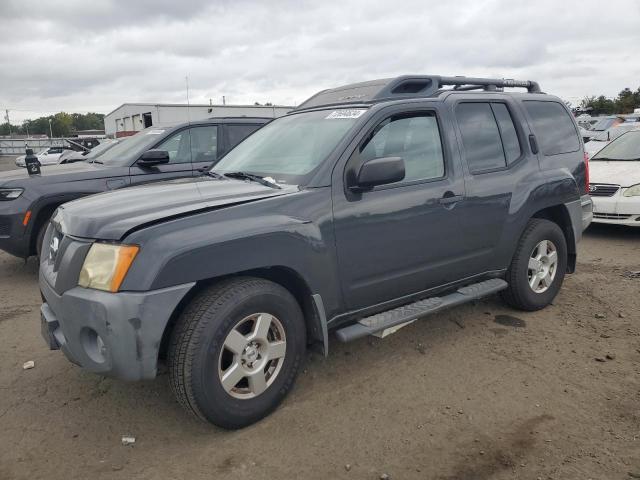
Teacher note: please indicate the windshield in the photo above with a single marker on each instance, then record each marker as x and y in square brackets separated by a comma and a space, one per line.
[125, 152]
[626, 147]
[603, 124]
[290, 148]
[100, 149]
[614, 132]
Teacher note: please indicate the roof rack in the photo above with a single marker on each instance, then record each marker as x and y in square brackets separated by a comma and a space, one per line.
[410, 86]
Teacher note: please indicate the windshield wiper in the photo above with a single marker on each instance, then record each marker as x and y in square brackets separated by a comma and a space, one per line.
[210, 173]
[253, 178]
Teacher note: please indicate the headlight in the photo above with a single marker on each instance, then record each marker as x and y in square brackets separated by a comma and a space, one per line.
[633, 191]
[106, 266]
[10, 193]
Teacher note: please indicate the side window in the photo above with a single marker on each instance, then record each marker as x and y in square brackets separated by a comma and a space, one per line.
[415, 138]
[480, 137]
[178, 146]
[237, 133]
[508, 134]
[553, 127]
[204, 143]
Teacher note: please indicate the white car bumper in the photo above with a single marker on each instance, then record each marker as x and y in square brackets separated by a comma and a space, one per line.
[617, 209]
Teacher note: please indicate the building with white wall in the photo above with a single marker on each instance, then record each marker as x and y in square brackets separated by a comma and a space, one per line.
[130, 118]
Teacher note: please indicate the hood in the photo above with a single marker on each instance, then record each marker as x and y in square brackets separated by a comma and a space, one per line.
[624, 173]
[52, 174]
[594, 146]
[111, 215]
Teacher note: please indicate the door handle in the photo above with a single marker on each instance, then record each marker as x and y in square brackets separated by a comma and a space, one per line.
[533, 143]
[449, 198]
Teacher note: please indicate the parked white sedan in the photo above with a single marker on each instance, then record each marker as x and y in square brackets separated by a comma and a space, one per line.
[602, 139]
[48, 156]
[615, 181]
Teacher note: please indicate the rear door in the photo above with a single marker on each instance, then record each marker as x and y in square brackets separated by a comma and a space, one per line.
[497, 169]
[206, 146]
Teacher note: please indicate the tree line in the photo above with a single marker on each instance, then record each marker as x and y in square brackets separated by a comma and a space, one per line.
[626, 101]
[62, 124]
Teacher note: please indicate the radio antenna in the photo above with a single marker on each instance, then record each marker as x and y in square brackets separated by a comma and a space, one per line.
[188, 104]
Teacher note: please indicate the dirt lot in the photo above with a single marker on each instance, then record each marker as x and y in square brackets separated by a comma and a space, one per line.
[7, 162]
[478, 392]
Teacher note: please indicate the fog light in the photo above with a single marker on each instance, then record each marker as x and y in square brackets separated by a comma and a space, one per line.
[93, 345]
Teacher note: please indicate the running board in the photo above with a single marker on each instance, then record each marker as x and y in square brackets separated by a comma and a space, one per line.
[408, 313]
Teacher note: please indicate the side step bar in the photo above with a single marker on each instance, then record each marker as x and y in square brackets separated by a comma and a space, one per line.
[407, 313]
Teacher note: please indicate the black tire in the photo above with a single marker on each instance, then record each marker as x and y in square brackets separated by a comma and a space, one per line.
[40, 237]
[197, 343]
[520, 294]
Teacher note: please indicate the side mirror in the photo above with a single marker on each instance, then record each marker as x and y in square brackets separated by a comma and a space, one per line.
[379, 171]
[153, 157]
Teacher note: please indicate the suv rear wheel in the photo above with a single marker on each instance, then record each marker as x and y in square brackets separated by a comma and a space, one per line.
[236, 350]
[538, 266]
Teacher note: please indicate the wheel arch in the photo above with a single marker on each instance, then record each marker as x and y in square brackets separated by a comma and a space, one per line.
[284, 276]
[41, 218]
[559, 214]
[42, 209]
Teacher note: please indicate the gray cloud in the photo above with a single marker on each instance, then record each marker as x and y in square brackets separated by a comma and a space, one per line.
[78, 56]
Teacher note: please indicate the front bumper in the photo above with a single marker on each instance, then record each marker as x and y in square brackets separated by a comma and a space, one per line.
[617, 210]
[112, 334]
[14, 236]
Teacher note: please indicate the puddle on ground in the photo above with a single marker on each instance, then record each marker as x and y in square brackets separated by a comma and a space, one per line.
[509, 321]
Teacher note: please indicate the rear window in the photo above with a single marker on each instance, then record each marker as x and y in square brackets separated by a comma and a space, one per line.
[553, 126]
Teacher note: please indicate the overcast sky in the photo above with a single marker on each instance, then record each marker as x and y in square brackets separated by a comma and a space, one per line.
[80, 56]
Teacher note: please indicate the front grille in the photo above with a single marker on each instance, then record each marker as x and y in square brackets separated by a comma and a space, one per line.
[5, 227]
[611, 216]
[602, 190]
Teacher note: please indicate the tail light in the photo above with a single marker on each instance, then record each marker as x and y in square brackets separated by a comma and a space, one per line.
[586, 172]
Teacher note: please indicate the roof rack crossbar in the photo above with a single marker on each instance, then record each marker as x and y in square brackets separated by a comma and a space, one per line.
[461, 83]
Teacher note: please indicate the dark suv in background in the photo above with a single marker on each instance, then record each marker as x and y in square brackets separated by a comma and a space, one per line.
[27, 202]
[367, 207]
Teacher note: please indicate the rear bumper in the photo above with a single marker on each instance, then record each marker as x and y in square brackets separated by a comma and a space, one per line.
[587, 211]
[112, 334]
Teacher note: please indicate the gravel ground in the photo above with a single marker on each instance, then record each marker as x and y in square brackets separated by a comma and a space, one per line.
[477, 392]
[7, 162]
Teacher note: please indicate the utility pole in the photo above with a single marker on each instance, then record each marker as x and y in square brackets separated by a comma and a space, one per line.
[8, 122]
[224, 100]
[50, 131]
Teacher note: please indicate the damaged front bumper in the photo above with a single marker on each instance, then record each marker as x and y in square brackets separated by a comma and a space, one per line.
[113, 334]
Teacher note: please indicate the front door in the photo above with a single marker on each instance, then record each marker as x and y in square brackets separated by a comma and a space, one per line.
[179, 147]
[402, 238]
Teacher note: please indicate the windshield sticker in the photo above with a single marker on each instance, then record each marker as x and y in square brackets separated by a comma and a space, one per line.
[345, 114]
[155, 132]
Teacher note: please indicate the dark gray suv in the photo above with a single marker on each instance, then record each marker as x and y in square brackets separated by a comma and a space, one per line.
[367, 207]
[154, 154]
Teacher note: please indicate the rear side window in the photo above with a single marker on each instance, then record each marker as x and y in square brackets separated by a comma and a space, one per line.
[553, 127]
[480, 137]
[508, 133]
[237, 133]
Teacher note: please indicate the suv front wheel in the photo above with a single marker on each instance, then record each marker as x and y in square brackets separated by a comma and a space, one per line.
[236, 350]
[538, 266]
